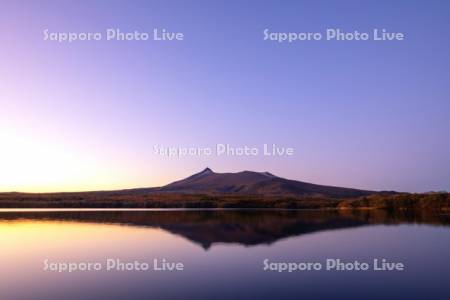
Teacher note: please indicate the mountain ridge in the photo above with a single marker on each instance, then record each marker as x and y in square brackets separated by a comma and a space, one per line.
[260, 183]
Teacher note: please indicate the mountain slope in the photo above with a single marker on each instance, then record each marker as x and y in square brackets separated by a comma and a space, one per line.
[248, 182]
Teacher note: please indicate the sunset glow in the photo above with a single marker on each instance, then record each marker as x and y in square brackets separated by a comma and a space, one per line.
[86, 115]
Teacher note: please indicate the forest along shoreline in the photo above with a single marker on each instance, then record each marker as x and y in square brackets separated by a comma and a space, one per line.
[437, 201]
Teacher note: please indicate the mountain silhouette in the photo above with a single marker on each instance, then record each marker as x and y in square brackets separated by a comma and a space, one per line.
[260, 183]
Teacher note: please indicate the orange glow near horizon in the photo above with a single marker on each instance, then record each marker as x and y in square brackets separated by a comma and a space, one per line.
[32, 164]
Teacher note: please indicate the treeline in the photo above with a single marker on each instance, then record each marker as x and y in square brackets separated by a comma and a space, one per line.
[403, 201]
[156, 200]
[389, 201]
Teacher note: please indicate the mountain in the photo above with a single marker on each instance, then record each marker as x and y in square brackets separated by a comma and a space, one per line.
[263, 183]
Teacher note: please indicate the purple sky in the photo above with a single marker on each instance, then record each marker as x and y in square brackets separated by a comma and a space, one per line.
[86, 115]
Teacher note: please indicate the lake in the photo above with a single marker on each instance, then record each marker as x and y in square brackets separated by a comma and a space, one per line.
[224, 254]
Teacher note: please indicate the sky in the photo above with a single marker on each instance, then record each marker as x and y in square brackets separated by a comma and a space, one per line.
[87, 115]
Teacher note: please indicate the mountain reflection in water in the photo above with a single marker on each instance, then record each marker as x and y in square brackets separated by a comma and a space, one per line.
[245, 227]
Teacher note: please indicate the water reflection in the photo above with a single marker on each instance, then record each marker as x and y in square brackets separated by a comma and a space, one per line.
[245, 227]
[223, 253]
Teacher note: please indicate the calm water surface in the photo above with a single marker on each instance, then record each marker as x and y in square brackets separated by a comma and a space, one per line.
[223, 254]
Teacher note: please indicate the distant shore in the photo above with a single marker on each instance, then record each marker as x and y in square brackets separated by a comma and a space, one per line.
[121, 199]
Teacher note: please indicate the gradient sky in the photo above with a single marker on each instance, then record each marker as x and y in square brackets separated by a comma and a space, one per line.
[86, 115]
